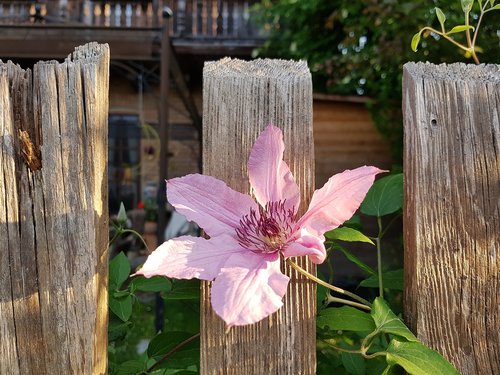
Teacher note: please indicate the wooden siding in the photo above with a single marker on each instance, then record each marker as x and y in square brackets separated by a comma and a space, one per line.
[345, 138]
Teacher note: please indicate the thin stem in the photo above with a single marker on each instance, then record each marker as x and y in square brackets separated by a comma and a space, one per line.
[469, 41]
[326, 285]
[467, 32]
[340, 349]
[138, 235]
[162, 359]
[377, 354]
[379, 258]
[476, 31]
[359, 351]
[330, 298]
[367, 341]
[451, 40]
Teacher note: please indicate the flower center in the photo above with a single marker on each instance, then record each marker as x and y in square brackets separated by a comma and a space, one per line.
[268, 230]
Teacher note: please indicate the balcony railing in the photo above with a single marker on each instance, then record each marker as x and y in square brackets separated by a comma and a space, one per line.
[200, 19]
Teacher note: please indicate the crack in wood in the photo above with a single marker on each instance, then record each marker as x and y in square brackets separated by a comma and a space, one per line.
[31, 154]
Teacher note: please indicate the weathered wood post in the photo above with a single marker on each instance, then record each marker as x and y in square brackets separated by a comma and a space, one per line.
[452, 211]
[239, 99]
[54, 215]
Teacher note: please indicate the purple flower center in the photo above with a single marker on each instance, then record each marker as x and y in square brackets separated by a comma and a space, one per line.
[268, 230]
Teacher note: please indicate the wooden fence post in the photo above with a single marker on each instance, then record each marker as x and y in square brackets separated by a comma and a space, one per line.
[54, 215]
[239, 99]
[452, 211]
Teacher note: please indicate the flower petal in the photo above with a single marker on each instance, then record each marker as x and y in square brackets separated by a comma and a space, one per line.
[312, 246]
[209, 202]
[337, 200]
[249, 288]
[269, 175]
[189, 257]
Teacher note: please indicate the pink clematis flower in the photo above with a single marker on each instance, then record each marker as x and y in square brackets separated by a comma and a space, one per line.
[247, 238]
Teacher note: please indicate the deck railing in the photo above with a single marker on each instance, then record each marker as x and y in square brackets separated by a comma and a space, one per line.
[191, 18]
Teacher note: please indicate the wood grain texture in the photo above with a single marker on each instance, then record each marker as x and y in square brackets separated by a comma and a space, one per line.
[452, 211]
[240, 99]
[53, 219]
[345, 138]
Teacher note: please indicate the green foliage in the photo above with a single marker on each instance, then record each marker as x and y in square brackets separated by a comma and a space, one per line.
[131, 320]
[153, 284]
[121, 306]
[347, 234]
[359, 47]
[471, 32]
[350, 341]
[119, 269]
[353, 258]
[121, 218]
[183, 290]
[183, 358]
[354, 363]
[391, 279]
[417, 359]
[387, 322]
[345, 318]
[355, 342]
[384, 197]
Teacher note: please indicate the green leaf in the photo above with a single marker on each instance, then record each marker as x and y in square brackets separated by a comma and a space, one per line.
[133, 367]
[153, 284]
[119, 269]
[345, 318]
[460, 28]
[384, 197]
[347, 234]
[327, 359]
[392, 280]
[121, 293]
[121, 218]
[387, 322]
[321, 292]
[417, 359]
[117, 330]
[183, 289]
[122, 306]
[467, 5]
[441, 17]
[378, 365]
[354, 259]
[185, 356]
[415, 41]
[354, 363]
[496, 7]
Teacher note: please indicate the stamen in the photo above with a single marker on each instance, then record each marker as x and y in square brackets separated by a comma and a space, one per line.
[269, 230]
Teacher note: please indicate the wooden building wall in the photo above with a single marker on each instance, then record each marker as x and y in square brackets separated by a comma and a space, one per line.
[344, 134]
[345, 137]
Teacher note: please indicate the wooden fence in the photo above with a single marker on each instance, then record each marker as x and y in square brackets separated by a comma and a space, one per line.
[452, 211]
[54, 216]
[53, 212]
